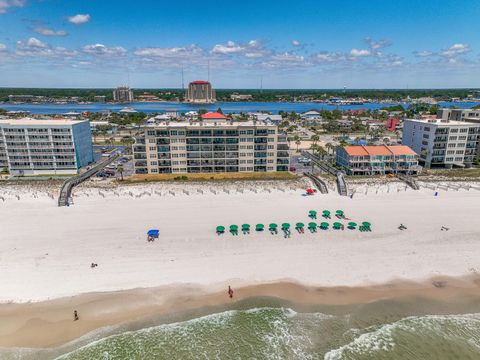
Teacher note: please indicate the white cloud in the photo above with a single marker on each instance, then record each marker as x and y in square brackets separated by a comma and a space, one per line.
[328, 57]
[230, 48]
[169, 52]
[296, 43]
[253, 49]
[102, 50]
[455, 49]
[38, 48]
[34, 43]
[361, 52]
[5, 5]
[50, 32]
[78, 19]
[423, 53]
[3, 47]
[377, 44]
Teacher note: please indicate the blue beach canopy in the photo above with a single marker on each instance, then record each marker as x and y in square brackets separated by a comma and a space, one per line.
[153, 232]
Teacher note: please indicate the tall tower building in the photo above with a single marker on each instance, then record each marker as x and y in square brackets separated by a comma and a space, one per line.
[123, 94]
[200, 92]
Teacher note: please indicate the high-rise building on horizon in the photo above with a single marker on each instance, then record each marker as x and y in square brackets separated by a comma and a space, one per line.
[123, 94]
[200, 92]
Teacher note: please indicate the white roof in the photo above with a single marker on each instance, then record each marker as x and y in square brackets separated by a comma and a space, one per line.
[39, 122]
[441, 122]
[311, 112]
[211, 123]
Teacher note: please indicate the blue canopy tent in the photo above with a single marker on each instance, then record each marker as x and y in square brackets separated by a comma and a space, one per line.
[152, 234]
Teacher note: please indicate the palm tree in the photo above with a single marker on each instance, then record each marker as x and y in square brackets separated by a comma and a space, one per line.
[315, 138]
[120, 170]
[329, 146]
[297, 140]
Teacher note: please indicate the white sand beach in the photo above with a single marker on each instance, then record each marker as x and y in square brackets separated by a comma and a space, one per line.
[46, 251]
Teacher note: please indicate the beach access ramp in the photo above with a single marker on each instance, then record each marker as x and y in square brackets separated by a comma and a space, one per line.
[66, 190]
[329, 169]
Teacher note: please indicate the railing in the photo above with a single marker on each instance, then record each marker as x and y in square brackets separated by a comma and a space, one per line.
[66, 190]
[324, 166]
[320, 184]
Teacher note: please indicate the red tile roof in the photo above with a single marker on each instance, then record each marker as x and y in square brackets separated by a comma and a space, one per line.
[200, 82]
[213, 115]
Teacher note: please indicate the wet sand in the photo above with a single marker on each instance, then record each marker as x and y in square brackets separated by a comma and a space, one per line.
[50, 323]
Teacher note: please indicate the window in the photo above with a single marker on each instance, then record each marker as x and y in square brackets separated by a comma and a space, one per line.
[452, 138]
[463, 130]
[452, 145]
[153, 148]
[152, 141]
[243, 132]
[459, 152]
[154, 170]
[151, 133]
[271, 131]
[271, 147]
[271, 154]
[270, 139]
[153, 156]
[426, 136]
[459, 158]
[462, 138]
[454, 130]
[450, 152]
[449, 158]
[153, 163]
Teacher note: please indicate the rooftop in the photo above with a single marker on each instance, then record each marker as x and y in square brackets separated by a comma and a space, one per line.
[213, 115]
[379, 150]
[199, 124]
[441, 122]
[40, 122]
[200, 82]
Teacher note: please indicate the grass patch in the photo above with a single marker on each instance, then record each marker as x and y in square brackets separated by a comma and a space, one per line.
[209, 177]
[453, 173]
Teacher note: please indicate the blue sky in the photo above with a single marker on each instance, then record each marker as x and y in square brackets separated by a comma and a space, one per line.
[288, 44]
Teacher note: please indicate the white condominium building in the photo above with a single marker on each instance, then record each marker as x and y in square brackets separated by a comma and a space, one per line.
[44, 147]
[442, 143]
[467, 115]
[215, 145]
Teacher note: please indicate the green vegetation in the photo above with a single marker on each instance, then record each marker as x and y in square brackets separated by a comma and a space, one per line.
[210, 177]
[257, 94]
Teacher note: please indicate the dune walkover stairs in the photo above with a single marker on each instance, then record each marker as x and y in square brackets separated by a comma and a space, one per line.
[324, 166]
[319, 183]
[66, 190]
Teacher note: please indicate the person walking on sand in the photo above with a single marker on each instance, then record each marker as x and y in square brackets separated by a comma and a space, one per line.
[75, 315]
[230, 292]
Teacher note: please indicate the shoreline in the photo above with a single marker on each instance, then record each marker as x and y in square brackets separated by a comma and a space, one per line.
[49, 324]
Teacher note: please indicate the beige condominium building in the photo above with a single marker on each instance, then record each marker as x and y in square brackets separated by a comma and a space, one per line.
[200, 92]
[212, 145]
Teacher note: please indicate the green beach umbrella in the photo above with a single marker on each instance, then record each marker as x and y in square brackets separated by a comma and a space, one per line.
[324, 225]
[273, 226]
[352, 224]
[299, 225]
[339, 212]
[220, 228]
[259, 227]
[326, 213]
[312, 213]
[245, 227]
[233, 228]
[337, 225]
[312, 225]
[366, 224]
[285, 226]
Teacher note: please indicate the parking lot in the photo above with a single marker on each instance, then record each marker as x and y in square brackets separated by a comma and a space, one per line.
[111, 170]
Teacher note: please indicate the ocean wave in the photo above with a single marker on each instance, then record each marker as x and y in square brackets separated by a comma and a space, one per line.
[434, 333]
[265, 332]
